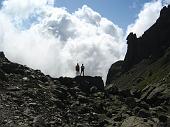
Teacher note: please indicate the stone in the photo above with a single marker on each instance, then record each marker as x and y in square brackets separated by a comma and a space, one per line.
[125, 92]
[25, 79]
[135, 92]
[136, 110]
[38, 121]
[144, 105]
[111, 89]
[118, 118]
[134, 121]
[130, 101]
[82, 99]
[146, 91]
[3, 77]
[86, 82]
[93, 89]
[154, 97]
[103, 123]
[143, 113]
[163, 118]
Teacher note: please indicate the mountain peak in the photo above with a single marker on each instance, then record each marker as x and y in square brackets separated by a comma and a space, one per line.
[152, 43]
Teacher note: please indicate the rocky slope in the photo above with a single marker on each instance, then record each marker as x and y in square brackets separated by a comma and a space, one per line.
[28, 98]
[145, 71]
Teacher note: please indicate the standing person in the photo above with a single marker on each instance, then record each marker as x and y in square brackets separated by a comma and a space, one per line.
[82, 69]
[77, 70]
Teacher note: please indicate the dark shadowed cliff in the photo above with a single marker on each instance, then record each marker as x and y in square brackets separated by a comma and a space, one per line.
[152, 44]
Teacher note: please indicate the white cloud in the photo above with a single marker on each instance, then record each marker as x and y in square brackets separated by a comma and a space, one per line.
[167, 1]
[57, 39]
[86, 14]
[22, 8]
[146, 18]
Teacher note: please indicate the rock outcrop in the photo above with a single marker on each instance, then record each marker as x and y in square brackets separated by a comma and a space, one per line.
[151, 44]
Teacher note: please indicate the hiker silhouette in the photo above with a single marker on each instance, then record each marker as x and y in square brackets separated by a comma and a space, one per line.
[82, 70]
[77, 70]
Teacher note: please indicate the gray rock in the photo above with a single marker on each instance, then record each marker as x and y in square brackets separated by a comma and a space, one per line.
[146, 91]
[93, 89]
[144, 113]
[131, 102]
[38, 121]
[111, 89]
[3, 77]
[144, 105]
[134, 121]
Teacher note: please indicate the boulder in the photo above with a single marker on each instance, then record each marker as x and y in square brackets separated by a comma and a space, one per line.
[155, 94]
[111, 89]
[131, 102]
[3, 77]
[144, 113]
[134, 121]
[87, 82]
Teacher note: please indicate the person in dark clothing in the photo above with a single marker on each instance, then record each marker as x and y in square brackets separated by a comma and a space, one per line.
[82, 69]
[77, 70]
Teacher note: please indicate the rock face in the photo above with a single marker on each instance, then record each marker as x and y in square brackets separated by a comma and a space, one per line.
[152, 43]
[148, 48]
[114, 71]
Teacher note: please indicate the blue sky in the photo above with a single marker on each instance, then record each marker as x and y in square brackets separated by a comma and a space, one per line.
[121, 12]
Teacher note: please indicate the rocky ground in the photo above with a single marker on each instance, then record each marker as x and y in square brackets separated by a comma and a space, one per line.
[28, 98]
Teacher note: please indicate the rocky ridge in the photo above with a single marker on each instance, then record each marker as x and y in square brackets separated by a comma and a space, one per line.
[152, 44]
[145, 71]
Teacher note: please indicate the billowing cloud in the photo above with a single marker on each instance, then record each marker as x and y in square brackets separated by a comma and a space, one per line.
[22, 9]
[54, 40]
